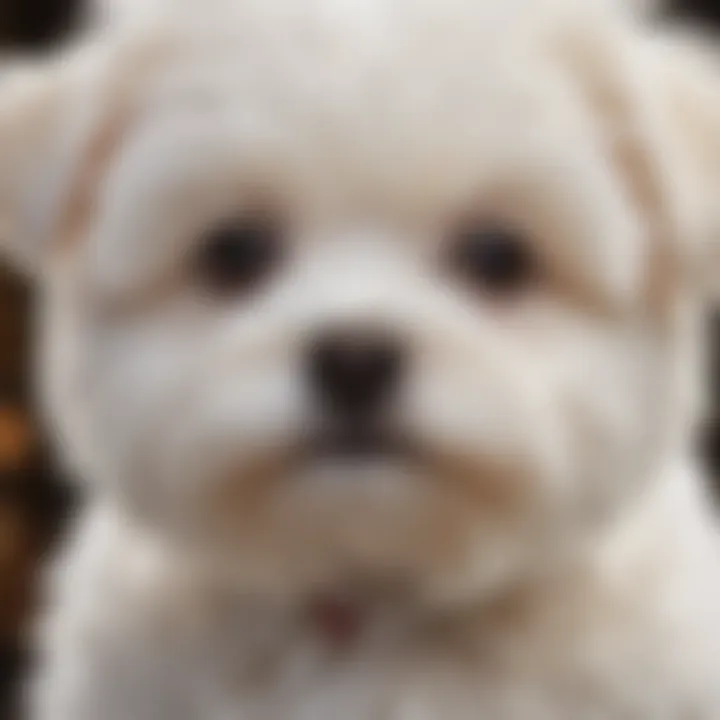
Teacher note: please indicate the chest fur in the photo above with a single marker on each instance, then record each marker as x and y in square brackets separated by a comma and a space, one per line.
[591, 677]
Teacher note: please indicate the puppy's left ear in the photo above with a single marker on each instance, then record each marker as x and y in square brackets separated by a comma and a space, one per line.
[50, 115]
[655, 95]
[684, 77]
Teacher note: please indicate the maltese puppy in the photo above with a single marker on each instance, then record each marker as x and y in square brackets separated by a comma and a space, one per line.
[374, 329]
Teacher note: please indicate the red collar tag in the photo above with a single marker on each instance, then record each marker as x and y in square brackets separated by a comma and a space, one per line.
[339, 620]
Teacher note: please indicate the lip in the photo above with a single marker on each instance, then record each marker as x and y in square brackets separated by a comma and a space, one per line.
[359, 444]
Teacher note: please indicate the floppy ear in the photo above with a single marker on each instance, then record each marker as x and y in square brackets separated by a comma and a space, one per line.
[52, 114]
[687, 68]
[34, 103]
[656, 95]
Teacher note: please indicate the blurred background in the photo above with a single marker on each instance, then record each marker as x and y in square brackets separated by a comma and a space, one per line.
[34, 501]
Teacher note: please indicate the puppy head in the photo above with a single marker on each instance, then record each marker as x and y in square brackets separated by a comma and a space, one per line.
[394, 291]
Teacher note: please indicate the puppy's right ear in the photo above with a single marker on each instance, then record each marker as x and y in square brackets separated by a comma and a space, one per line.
[51, 114]
[32, 105]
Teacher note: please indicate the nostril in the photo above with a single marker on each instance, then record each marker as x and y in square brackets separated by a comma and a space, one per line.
[353, 374]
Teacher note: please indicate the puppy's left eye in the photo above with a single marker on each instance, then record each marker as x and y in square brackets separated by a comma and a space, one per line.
[235, 256]
[494, 259]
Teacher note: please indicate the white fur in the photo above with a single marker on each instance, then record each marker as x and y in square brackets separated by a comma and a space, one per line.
[555, 556]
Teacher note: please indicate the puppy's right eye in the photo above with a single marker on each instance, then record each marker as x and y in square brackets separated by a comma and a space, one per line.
[236, 256]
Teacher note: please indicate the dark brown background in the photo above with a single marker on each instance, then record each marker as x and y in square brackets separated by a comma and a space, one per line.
[33, 500]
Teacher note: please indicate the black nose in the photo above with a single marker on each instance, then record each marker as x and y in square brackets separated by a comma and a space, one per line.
[354, 374]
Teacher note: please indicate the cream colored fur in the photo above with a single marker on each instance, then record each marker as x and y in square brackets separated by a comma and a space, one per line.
[556, 557]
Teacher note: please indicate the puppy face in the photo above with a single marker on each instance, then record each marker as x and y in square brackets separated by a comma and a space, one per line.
[379, 294]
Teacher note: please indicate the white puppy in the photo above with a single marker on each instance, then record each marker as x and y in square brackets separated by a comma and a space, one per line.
[374, 328]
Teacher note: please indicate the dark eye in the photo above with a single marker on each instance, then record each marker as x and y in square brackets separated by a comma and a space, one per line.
[494, 259]
[235, 256]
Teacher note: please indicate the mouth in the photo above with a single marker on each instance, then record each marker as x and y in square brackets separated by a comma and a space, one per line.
[359, 444]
